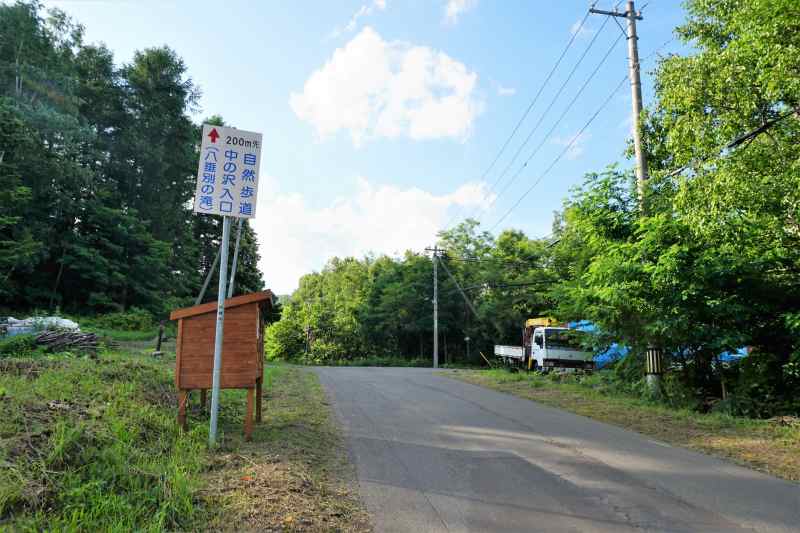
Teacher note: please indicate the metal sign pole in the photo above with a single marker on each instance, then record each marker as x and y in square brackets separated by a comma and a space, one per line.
[208, 280]
[215, 378]
[235, 257]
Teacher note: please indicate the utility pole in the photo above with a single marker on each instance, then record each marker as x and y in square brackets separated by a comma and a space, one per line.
[435, 308]
[653, 357]
[435, 258]
[634, 74]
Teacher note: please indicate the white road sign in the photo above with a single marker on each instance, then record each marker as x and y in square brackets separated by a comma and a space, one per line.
[227, 178]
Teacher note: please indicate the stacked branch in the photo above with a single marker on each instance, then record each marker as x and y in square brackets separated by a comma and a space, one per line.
[56, 341]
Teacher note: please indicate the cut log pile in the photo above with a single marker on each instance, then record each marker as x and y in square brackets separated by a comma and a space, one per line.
[56, 341]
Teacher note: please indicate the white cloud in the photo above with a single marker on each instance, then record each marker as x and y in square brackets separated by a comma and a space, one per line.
[455, 8]
[375, 88]
[363, 11]
[295, 238]
[576, 143]
[506, 91]
[582, 31]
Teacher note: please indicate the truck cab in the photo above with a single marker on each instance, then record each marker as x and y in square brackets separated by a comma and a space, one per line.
[546, 344]
[558, 347]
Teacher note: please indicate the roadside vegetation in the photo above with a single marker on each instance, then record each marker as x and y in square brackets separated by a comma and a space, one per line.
[133, 325]
[771, 446]
[89, 442]
[295, 474]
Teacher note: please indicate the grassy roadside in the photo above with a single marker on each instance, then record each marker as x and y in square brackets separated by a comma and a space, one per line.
[771, 446]
[92, 445]
[295, 474]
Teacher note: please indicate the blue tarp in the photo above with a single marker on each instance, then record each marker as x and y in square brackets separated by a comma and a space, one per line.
[618, 351]
[614, 352]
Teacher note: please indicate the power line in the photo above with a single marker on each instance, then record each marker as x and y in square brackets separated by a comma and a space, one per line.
[546, 111]
[506, 287]
[527, 111]
[558, 122]
[558, 62]
[560, 155]
[488, 285]
[574, 139]
[541, 119]
[738, 141]
[463, 294]
[657, 50]
[489, 259]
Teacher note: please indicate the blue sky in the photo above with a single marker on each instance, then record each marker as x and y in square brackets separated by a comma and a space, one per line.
[380, 116]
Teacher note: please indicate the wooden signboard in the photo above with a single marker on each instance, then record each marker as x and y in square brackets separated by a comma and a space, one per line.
[242, 351]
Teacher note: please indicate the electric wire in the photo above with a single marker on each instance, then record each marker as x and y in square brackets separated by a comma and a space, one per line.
[573, 140]
[525, 114]
[657, 50]
[557, 123]
[463, 294]
[625, 33]
[560, 155]
[552, 103]
[566, 149]
[724, 150]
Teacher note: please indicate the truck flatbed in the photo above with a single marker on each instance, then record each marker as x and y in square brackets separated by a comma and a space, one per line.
[514, 352]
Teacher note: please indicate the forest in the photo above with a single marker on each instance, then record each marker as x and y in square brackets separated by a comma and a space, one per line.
[98, 165]
[708, 263]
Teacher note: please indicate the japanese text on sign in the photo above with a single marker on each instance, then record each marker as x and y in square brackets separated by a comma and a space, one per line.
[227, 177]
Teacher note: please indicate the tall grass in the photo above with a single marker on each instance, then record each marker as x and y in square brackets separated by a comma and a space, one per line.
[93, 446]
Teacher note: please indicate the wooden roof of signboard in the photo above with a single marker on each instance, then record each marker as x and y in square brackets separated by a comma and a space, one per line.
[210, 307]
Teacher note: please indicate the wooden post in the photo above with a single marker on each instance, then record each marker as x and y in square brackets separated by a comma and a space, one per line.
[158, 352]
[248, 417]
[183, 397]
[258, 399]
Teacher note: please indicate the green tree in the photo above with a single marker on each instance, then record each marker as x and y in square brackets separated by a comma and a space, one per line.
[99, 163]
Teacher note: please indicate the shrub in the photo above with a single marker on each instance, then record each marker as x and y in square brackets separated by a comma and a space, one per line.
[678, 394]
[283, 340]
[325, 352]
[134, 319]
[765, 387]
[18, 346]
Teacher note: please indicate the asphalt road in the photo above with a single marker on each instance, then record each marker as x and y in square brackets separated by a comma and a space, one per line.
[436, 454]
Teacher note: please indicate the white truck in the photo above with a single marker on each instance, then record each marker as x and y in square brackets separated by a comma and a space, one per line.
[545, 346]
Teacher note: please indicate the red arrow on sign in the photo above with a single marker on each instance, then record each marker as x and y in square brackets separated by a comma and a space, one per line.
[213, 135]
